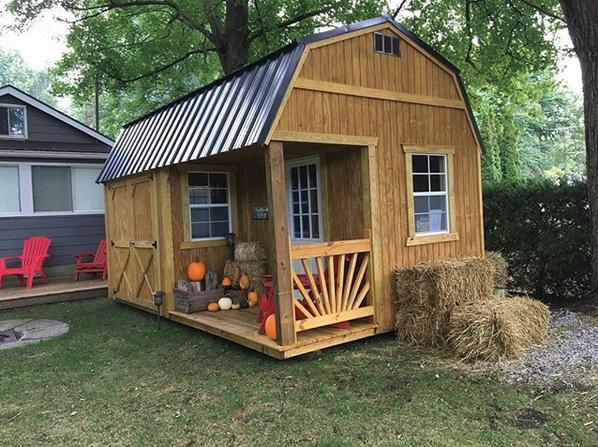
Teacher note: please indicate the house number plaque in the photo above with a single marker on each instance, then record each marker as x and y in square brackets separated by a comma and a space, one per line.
[260, 213]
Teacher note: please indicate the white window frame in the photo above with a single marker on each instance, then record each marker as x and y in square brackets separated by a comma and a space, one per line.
[294, 164]
[17, 137]
[209, 205]
[444, 193]
[26, 190]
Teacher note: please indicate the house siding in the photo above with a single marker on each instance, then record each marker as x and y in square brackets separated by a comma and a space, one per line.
[69, 234]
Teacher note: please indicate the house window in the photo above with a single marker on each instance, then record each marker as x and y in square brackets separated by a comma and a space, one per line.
[13, 121]
[9, 184]
[387, 44]
[430, 193]
[430, 197]
[65, 189]
[209, 205]
[304, 201]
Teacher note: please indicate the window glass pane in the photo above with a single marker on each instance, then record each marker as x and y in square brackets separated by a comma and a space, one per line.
[218, 180]
[315, 226]
[304, 202]
[198, 179]
[305, 225]
[437, 163]
[219, 213]
[437, 183]
[303, 176]
[218, 196]
[199, 195]
[16, 120]
[200, 230]
[87, 194]
[387, 44]
[437, 203]
[437, 221]
[422, 222]
[313, 182]
[421, 204]
[378, 42]
[219, 229]
[396, 46]
[3, 121]
[314, 200]
[420, 163]
[420, 183]
[9, 185]
[51, 188]
[297, 227]
[200, 214]
[294, 178]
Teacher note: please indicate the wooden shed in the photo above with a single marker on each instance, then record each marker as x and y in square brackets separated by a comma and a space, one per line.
[347, 154]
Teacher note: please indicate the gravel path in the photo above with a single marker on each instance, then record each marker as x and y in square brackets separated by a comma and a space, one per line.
[569, 359]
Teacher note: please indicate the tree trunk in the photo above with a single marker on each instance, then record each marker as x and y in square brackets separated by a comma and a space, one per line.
[582, 22]
[232, 39]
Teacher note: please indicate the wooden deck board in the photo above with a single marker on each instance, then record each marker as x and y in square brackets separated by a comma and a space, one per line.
[240, 326]
[53, 292]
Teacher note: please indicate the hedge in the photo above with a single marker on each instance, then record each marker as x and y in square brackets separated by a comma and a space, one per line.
[542, 228]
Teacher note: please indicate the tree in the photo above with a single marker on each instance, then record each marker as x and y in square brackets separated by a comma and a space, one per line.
[14, 71]
[582, 23]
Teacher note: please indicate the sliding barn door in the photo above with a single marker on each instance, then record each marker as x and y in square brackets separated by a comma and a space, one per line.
[131, 220]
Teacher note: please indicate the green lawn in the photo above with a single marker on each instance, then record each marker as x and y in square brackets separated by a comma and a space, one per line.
[115, 380]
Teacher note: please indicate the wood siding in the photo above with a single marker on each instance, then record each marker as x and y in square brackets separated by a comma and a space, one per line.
[354, 62]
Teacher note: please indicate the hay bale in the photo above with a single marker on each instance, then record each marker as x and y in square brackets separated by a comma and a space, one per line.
[427, 293]
[249, 251]
[500, 328]
[499, 265]
[254, 269]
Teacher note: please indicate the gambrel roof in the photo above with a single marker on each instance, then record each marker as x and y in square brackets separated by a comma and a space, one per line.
[235, 111]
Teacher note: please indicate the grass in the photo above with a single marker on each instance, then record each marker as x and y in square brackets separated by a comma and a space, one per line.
[115, 380]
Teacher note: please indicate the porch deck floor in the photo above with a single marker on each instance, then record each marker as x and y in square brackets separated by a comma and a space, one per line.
[56, 290]
[240, 326]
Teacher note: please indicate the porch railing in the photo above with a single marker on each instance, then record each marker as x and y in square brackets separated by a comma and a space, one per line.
[333, 280]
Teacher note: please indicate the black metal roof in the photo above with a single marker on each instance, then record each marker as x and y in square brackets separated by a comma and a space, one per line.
[232, 112]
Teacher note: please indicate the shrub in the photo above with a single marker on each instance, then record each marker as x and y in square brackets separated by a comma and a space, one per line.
[542, 228]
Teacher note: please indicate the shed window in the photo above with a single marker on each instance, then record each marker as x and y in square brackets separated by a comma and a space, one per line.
[13, 121]
[387, 44]
[209, 205]
[430, 193]
[9, 184]
[304, 200]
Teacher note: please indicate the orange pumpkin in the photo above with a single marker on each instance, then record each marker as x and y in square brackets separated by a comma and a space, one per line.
[270, 326]
[226, 282]
[252, 298]
[213, 307]
[196, 271]
[244, 281]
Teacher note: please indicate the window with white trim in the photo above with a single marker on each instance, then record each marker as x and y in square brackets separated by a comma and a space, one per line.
[10, 201]
[304, 201]
[209, 205]
[430, 193]
[385, 44]
[13, 121]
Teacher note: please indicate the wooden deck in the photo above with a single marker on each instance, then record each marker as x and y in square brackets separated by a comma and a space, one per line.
[240, 326]
[55, 291]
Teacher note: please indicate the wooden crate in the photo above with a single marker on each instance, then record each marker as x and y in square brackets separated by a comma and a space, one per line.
[195, 301]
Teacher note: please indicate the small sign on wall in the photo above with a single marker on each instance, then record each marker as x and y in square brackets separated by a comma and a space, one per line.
[260, 213]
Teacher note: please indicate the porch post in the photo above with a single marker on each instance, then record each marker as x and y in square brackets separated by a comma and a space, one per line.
[277, 203]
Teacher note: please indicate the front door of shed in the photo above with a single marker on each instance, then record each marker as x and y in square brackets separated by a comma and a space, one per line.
[133, 264]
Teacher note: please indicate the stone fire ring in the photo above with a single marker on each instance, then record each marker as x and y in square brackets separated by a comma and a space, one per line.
[16, 333]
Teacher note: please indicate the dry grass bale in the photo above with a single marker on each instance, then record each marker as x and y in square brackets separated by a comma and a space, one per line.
[249, 251]
[254, 269]
[500, 328]
[500, 268]
[426, 294]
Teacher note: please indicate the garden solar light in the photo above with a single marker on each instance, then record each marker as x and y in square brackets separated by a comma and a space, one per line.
[158, 300]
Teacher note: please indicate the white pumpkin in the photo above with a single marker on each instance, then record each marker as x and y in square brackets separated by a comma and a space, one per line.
[225, 303]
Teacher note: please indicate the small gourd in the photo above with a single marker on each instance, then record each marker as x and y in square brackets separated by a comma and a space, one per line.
[225, 303]
[196, 271]
[213, 307]
[235, 306]
[244, 281]
[252, 298]
[226, 282]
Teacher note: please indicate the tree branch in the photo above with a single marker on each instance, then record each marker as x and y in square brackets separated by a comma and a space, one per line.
[289, 22]
[396, 13]
[544, 11]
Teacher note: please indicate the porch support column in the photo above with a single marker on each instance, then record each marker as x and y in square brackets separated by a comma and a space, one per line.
[277, 202]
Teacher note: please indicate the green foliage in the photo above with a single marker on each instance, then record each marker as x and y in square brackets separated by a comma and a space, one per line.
[14, 71]
[542, 228]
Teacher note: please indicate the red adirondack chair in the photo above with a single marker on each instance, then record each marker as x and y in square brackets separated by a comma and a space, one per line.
[92, 262]
[35, 251]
